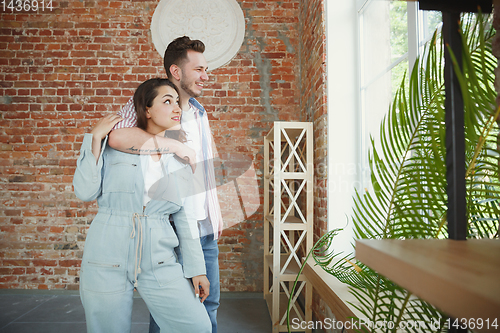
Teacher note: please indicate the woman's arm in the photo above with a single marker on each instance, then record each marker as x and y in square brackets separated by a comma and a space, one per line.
[186, 227]
[189, 244]
[134, 140]
[87, 178]
[193, 260]
[100, 130]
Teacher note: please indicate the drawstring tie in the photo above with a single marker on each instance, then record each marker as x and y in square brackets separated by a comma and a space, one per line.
[136, 219]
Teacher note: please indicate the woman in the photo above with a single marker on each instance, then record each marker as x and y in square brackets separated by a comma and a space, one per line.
[130, 243]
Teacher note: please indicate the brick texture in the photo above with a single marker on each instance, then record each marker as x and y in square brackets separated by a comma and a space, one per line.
[313, 105]
[61, 70]
[313, 102]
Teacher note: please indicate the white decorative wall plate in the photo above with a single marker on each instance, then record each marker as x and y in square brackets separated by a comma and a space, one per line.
[220, 24]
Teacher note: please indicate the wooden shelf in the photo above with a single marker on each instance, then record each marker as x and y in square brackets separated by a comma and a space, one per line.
[290, 273]
[291, 223]
[288, 150]
[293, 130]
[289, 175]
[334, 293]
[283, 305]
[461, 278]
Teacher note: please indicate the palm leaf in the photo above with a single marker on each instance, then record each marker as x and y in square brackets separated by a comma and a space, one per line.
[408, 175]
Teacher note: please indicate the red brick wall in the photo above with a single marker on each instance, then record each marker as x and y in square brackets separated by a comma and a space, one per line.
[62, 70]
[313, 99]
[261, 87]
[313, 104]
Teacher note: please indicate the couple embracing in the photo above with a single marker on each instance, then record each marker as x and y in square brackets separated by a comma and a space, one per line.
[151, 170]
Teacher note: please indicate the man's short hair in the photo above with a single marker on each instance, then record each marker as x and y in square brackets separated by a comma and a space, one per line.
[176, 52]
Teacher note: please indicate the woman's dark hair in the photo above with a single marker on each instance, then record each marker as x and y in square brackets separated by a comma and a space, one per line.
[143, 99]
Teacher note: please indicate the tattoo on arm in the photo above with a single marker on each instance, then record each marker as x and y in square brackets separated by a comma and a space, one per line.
[148, 151]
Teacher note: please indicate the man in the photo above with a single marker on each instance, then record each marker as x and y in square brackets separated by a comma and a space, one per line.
[186, 67]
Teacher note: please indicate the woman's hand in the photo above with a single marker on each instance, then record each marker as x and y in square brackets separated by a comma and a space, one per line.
[201, 287]
[100, 130]
[104, 126]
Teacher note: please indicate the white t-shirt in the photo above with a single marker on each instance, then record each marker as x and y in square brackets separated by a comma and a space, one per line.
[190, 126]
[152, 172]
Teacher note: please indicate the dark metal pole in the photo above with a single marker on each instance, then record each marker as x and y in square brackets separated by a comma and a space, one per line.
[454, 117]
[455, 136]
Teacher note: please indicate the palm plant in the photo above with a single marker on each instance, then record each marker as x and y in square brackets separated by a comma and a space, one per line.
[408, 176]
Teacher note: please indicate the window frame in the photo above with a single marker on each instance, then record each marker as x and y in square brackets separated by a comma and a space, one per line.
[348, 163]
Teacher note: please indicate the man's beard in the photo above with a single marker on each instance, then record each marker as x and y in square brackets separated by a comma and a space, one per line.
[188, 90]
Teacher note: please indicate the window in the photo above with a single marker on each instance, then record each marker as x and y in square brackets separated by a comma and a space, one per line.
[371, 44]
[391, 35]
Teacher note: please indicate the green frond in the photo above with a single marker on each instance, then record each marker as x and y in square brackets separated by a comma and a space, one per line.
[408, 196]
[409, 172]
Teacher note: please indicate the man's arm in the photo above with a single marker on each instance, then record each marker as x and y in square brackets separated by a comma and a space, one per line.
[134, 140]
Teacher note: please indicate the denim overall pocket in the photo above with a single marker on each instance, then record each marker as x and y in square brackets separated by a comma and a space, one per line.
[105, 256]
[164, 261]
[119, 177]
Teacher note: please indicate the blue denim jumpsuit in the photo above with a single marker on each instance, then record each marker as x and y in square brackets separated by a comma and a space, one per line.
[129, 245]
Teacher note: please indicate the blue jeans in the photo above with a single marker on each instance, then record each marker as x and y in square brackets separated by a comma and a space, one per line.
[211, 252]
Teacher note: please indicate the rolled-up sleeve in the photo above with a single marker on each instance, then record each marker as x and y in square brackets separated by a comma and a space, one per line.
[87, 179]
[128, 114]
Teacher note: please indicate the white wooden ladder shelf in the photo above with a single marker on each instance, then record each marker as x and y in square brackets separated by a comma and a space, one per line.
[288, 225]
